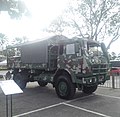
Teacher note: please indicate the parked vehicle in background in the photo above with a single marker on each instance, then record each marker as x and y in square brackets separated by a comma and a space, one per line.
[115, 67]
[66, 63]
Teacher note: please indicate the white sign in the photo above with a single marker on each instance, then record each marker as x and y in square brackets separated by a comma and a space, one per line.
[10, 87]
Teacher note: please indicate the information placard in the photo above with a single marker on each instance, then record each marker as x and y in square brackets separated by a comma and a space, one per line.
[9, 87]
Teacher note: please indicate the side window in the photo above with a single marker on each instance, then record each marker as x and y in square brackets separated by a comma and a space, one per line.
[70, 49]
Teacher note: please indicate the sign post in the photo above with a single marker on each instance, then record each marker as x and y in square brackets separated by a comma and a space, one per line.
[9, 87]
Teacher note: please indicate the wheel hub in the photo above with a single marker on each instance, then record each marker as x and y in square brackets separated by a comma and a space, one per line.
[62, 88]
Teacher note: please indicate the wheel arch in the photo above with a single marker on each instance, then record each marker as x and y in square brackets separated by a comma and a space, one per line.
[62, 72]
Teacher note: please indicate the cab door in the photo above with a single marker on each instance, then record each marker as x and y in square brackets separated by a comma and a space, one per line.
[70, 59]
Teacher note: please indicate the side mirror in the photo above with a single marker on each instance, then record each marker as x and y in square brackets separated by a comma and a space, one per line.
[105, 51]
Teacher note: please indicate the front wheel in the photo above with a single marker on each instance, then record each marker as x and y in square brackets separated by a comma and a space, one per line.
[64, 87]
[89, 89]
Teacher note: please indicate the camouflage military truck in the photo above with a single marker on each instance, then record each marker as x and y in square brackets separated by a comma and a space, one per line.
[65, 63]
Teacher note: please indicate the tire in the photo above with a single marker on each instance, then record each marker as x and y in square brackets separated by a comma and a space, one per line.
[19, 80]
[64, 87]
[89, 89]
[42, 83]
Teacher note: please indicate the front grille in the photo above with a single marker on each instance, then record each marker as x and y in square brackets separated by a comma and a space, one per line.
[99, 68]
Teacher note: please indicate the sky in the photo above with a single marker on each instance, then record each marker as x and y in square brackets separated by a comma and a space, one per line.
[115, 47]
[43, 13]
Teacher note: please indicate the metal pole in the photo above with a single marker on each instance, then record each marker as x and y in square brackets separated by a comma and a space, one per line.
[6, 105]
[11, 104]
[113, 81]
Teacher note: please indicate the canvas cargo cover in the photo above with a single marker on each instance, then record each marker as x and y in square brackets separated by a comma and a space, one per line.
[35, 52]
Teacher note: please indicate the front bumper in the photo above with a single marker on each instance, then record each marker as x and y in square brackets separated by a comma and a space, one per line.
[94, 79]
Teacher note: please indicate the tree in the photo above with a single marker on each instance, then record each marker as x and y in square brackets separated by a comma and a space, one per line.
[15, 8]
[3, 40]
[57, 26]
[19, 40]
[119, 56]
[98, 19]
[113, 56]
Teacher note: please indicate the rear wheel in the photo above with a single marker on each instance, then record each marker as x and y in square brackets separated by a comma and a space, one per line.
[18, 78]
[42, 83]
[64, 87]
[89, 89]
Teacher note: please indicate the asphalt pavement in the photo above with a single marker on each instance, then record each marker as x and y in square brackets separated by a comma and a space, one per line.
[43, 102]
[36, 101]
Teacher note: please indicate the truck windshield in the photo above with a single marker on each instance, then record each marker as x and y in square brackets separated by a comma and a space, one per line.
[93, 51]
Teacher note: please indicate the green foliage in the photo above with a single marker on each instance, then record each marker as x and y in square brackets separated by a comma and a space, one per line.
[114, 56]
[3, 38]
[19, 40]
[97, 19]
[15, 8]
[57, 26]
